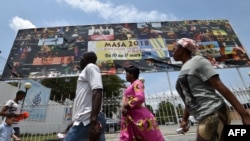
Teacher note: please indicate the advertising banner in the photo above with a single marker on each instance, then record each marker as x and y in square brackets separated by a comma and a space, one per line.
[55, 51]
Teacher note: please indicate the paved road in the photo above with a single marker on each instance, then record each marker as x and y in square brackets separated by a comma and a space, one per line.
[169, 132]
[171, 135]
[186, 137]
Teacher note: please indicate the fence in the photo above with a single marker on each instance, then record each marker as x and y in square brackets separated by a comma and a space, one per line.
[167, 109]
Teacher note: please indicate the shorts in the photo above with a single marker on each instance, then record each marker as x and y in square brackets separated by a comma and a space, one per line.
[211, 127]
[17, 131]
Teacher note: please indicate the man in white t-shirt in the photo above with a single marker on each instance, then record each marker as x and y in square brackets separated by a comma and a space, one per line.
[88, 121]
[12, 106]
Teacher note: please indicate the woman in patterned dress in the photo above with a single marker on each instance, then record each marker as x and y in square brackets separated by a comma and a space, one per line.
[137, 122]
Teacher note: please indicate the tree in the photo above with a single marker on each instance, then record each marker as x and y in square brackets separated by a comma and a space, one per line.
[180, 110]
[65, 87]
[166, 112]
[113, 87]
[13, 83]
[61, 88]
[150, 108]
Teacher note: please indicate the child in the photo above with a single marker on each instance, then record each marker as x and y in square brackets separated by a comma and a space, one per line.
[6, 129]
[13, 106]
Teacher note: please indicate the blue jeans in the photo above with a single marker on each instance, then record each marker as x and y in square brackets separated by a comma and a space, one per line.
[17, 131]
[80, 132]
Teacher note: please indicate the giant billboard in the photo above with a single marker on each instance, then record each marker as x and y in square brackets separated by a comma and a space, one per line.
[55, 51]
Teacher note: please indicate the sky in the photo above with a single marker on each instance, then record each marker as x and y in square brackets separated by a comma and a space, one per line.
[24, 14]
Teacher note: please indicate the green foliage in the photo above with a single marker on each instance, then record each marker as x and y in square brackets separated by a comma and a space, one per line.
[150, 108]
[112, 85]
[14, 83]
[166, 112]
[112, 88]
[180, 110]
[61, 88]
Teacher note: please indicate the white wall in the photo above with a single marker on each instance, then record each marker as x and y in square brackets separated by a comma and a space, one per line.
[7, 92]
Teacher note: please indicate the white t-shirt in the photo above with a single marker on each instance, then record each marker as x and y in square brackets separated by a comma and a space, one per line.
[89, 79]
[13, 108]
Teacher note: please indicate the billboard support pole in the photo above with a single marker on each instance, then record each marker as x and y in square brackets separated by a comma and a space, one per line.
[172, 95]
[244, 84]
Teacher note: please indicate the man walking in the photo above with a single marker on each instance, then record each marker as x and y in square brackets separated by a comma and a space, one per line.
[88, 121]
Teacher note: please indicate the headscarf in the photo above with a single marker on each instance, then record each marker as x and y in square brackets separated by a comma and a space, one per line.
[189, 44]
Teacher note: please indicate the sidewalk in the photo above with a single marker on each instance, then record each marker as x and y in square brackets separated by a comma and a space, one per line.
[171, 129]
[167, 130]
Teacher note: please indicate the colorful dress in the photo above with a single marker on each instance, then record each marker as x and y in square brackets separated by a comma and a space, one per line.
[139, 124]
